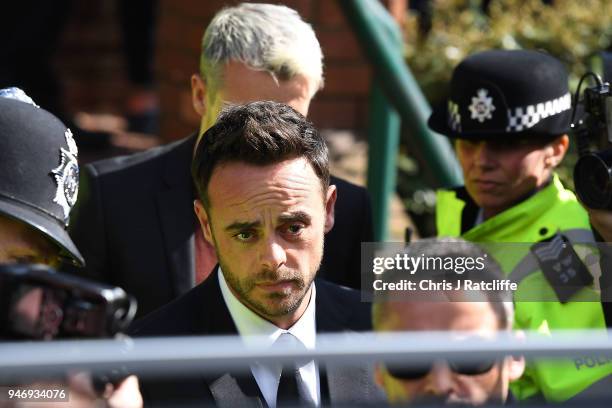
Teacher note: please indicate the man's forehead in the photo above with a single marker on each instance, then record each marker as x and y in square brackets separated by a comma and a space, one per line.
[244, 188]
[441, 315]
[241, 84]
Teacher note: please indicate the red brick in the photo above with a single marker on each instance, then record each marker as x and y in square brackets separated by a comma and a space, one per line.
[303, 7]
[91, 64]
[176, 32]
[192, 9]
[176, 66]
[337, 113]
[339, 44]
[347, 79]
[329, 14]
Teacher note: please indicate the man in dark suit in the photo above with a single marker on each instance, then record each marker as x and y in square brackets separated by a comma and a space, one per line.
[134, 221]
[265, 203]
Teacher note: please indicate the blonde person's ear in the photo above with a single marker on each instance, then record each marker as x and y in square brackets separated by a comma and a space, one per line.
[198, 94]
[516, 367]
[516, 364]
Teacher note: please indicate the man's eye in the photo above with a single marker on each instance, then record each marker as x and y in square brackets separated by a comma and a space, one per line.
[295, 229]
[244, 236]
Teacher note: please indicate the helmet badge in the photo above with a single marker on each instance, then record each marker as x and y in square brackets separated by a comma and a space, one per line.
[482, 106]
[66, 176]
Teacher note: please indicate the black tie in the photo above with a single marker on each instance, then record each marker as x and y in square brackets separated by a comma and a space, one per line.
[289, 391]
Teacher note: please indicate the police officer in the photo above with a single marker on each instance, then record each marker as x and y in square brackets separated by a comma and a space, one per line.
[38, 188]
[508, 113]
[39, 183]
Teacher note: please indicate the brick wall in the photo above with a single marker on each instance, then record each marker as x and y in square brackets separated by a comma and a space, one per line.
[91, 63]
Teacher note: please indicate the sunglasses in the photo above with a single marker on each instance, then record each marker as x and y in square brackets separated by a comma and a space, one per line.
[415, 372]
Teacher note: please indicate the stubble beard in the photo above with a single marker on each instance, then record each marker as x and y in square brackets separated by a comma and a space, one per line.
[273, 304]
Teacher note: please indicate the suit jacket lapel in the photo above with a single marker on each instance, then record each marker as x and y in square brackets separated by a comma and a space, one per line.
[177, 218]
[229, 389]
[344, 383]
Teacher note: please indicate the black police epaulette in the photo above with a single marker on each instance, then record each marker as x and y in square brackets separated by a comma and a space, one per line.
[561, 266]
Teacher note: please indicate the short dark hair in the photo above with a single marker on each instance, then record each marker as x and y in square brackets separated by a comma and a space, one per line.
[258, 133]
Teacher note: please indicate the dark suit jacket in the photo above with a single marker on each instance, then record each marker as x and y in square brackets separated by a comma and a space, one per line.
[202, 310]
[134, 224]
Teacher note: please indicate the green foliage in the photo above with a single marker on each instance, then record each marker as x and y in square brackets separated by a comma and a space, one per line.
[573, 31]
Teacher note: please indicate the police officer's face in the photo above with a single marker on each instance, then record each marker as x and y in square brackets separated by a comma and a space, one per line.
[267, 225]
[241, 84]
[22, 244]
[499, 175]
[441, 385]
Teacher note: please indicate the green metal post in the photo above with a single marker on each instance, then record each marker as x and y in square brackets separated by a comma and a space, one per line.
[378, 34]
[383, 141]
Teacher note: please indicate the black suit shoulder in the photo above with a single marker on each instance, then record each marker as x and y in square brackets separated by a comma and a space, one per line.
[340, 308]
[200, 311]
[352, 226]
[133, 162]
[117, 221]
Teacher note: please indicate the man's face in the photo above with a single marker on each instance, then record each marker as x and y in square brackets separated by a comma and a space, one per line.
[241, 84]
[267, 225]
[498, 175]
[441, 384]
[22, 244]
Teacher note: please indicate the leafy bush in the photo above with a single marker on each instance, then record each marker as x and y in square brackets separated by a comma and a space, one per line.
[573, 31]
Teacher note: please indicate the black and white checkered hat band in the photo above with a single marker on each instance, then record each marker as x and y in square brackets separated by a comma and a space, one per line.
[525, 117]
[519, 118]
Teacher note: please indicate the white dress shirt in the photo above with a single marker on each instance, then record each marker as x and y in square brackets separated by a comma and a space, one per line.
[250, 324]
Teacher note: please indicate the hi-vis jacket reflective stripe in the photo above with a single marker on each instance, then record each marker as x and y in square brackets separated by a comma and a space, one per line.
[551, 210]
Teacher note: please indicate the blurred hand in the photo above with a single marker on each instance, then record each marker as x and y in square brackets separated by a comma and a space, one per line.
[82, 394]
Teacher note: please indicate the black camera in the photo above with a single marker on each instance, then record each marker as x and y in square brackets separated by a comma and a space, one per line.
[593, 132]
[36, 302]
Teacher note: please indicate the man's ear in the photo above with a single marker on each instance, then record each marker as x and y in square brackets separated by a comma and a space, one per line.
[198, 94]
[516, 367]
[516, 364]
[559, 148]
[330, 204]
[205, 225]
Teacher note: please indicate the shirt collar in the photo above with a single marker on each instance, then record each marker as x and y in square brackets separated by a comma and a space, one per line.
[256, 331]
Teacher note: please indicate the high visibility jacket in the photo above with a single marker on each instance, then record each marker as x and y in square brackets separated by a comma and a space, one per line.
[549, 211]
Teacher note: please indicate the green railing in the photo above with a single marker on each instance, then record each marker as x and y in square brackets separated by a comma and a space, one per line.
[395, 96]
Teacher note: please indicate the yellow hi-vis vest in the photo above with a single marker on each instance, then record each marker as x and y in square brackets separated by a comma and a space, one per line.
[550, 211]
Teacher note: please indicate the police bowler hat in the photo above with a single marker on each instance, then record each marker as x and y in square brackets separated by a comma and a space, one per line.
[38, 171]
[505, 94]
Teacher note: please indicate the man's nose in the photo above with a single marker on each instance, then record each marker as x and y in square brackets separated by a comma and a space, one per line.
[440, 380]
[272, 254]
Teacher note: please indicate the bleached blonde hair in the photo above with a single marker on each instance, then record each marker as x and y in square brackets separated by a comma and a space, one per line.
[264, 37]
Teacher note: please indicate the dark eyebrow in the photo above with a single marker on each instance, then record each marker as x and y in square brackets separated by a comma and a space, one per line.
[299, 216]
[237, 226]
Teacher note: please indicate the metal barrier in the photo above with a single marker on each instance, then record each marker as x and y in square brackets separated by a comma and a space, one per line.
[173, 356]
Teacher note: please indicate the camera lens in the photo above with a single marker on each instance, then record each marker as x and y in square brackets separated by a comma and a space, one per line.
[593, 180]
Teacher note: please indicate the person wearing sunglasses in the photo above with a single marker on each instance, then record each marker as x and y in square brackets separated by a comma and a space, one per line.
[484, 315]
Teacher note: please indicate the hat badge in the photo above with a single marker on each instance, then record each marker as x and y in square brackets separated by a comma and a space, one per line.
[66, 176]
[482, 106]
